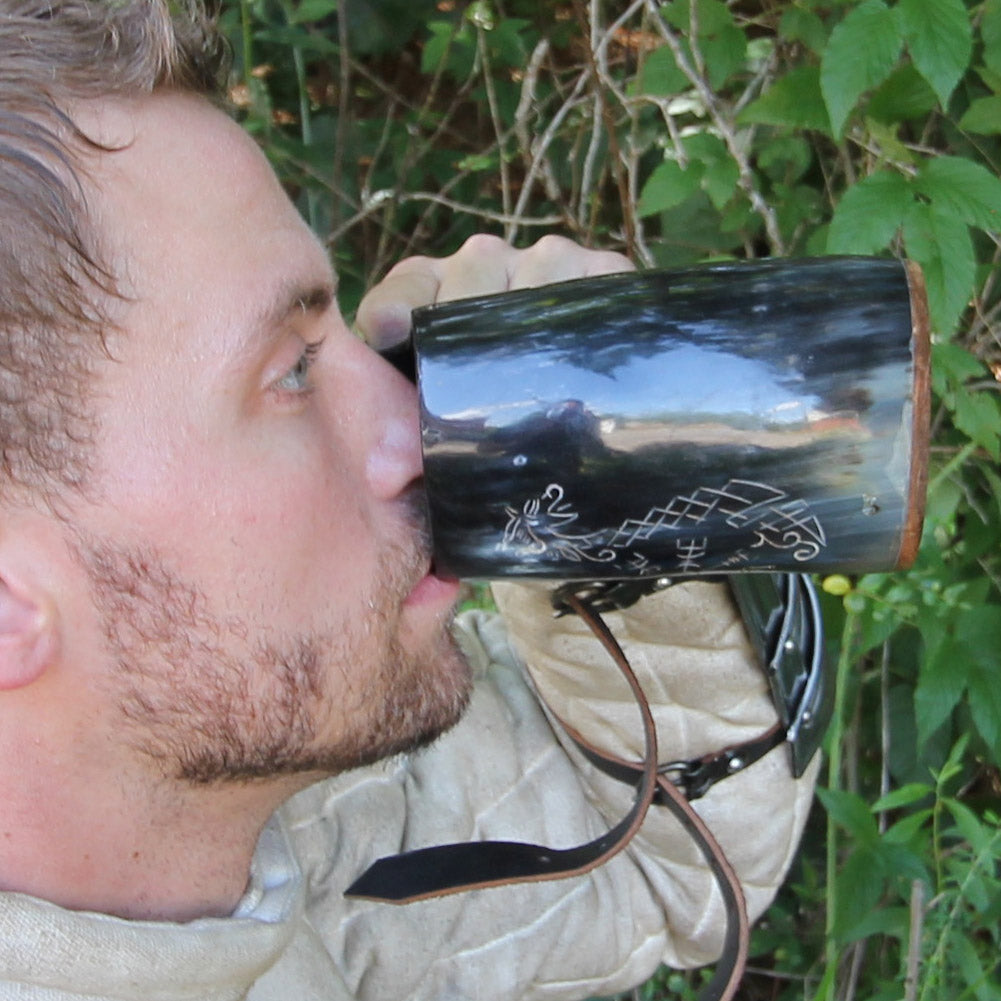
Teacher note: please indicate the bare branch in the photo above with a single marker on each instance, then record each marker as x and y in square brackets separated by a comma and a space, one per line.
[724, 124]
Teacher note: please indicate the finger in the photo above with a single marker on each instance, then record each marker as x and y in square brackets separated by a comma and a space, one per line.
[383, 317]
[481, 266]
[486, 264]
[555, 259]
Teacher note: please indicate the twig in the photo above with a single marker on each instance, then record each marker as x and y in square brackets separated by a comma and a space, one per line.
[723, 124]
[343, 97]
[984, 322]
[834, 782]
[488, 80]
[859, 950]
[415, 149]
[306, 123]
[544, 142]
[609, 122]
[914, 940]
[757, 83]
[526, 102]
[956, 463]
[585, 203]
[884, 715]
[365, 186]
[497, 217]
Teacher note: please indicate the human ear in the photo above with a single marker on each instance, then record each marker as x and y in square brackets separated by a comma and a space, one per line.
[27, 633]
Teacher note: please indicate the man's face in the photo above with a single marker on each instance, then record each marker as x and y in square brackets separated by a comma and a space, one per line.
[257, 566]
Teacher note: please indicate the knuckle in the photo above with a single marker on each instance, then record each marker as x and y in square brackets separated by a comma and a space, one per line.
[553, 243]
[606, 262]
[484, 243]
[419, 263]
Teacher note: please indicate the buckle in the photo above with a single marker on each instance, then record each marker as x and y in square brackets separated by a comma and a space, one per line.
[782, 615]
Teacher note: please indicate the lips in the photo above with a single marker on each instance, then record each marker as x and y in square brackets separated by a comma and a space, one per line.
[433, 590]
[428, 586]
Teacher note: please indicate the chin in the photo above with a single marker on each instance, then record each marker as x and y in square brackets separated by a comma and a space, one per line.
[426, 697]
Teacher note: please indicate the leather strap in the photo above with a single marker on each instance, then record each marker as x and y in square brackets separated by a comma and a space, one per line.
[446, 869]
[695, 776]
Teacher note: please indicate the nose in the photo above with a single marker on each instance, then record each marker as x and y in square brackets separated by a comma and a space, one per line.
[394, 460]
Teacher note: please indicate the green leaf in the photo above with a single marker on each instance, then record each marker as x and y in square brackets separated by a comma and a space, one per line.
[983, 116]
[720, 181]
[794, 100]
[861, 54]
[724, 52]
[939, 40]
[720, 172]
[298, 38]
[721, 43]
[977, 971]
[508, 44]
[860, 885]
[941, 244]
[985, 707]
[478, 161]
[902, 862]
[850, 812]
[978, 416]
[885, 137]
[979, 835]
[959, 187]
[713, 15]
[798, 207]
[904, 796]
[669, 185]
[909, 827]
[903, 96]
[661, 76]
[889, 922]
[990, 32]
[798, 25]
[786, 157]
[956, 362]
[940, 688]
[451, 43]
[312, 10]
[690, 232]
[870, 213]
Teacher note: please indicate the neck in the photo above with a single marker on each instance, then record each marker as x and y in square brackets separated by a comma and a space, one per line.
[177, 854]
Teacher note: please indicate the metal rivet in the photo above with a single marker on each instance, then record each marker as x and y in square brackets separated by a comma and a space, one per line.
[735, 764]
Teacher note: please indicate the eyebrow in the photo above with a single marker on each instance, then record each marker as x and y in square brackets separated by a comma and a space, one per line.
[290, 300]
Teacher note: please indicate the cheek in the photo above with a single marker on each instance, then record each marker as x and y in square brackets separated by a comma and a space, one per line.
[268, 507]
[309, 536]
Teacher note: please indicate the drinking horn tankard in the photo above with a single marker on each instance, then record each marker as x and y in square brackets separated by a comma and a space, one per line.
[744, 416]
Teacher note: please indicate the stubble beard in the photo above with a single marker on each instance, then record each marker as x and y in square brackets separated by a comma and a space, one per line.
[209, 699]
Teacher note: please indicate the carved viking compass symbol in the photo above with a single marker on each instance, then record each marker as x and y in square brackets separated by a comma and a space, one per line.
[547, 525]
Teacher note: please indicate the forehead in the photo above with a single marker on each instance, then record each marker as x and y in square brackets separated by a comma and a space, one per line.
[192, 213]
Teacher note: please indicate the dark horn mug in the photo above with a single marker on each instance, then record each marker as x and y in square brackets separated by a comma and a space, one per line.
[743, 416]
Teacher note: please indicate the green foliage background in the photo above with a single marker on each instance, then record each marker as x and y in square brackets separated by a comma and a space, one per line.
[699, 129]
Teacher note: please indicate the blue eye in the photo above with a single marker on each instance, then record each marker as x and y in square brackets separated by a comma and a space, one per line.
[296, 380]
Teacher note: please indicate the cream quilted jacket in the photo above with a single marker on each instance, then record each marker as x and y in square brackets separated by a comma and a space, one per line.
[499, 774]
